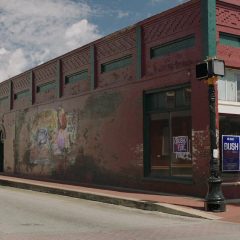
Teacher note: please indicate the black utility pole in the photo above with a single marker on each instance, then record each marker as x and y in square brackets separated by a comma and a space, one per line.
[209, 70]
[214, 200]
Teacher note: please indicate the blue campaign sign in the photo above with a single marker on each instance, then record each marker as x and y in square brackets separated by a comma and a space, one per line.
[230, 153]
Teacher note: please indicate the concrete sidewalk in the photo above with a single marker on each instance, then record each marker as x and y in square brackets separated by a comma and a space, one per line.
[171, 204]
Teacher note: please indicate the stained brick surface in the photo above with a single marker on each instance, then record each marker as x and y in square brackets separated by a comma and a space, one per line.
[96, 135]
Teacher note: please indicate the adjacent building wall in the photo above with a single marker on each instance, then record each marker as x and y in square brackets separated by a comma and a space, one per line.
[228, 49]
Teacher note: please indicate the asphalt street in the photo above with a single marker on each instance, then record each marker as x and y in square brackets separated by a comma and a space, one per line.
[26, 215]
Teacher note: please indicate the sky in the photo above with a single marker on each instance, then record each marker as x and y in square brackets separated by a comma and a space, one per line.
[35, 31]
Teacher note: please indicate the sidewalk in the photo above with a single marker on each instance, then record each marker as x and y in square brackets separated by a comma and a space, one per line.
[171, 204]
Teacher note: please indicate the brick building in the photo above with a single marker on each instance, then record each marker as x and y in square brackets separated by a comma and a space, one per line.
[127, 110]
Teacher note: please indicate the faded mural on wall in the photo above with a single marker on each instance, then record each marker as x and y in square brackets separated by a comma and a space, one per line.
[53, 133]
[60, 144]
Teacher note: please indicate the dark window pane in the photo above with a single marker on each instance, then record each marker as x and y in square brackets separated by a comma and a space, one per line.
[116, 64]
[159, 145]
[187, 96]
[229, 125]
[83, 75]
[172, 47]
[180, 100]
[170, 99]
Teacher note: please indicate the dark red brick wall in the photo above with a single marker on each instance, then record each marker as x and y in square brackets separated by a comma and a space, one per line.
[228, 21]
[19, 85]
[42, 75]
[174, 25]
[4, 93]
[74, 62]
[108, 144]
[116, 46]
[106, 123]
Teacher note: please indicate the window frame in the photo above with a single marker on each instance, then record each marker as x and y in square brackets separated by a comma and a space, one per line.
[224, 82]
[147, 121]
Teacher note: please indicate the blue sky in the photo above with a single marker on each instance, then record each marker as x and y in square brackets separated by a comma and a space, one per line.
[33, 31]
[121, 13]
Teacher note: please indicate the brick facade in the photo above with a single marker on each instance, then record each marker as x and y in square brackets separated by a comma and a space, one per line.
[91, 130]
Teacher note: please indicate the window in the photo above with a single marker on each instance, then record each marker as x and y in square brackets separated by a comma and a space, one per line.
[46, 87]
[172, 47]
[21, 94]
[229, 86]
[230, 40]
[116, 64]
[83, 75]
[168, 133]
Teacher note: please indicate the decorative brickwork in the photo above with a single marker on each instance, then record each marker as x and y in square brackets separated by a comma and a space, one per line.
[21, 83]
[45, 73]
[115, 47]
[167, 33]
[116, 44]
[44, 77]
[21, 91]
[74, 62]
[4, 89]
[172, 24]
[228, 17]
[228, 22]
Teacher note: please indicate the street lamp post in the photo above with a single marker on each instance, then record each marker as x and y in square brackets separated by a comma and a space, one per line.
[214, 200]
[209, 70]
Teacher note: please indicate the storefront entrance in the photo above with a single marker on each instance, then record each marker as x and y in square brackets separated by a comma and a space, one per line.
[168, 133]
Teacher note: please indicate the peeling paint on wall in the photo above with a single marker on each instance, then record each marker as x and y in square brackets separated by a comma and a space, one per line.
[53, 132]
[138, 152]
[101, 106]
[201, 152]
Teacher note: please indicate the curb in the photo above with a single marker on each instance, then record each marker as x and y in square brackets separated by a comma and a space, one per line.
[111, 199]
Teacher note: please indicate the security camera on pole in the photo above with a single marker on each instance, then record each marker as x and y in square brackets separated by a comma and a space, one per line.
[209, 70]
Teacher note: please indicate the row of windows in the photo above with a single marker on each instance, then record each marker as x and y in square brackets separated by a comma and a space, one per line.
[158, 51]
[229, 86]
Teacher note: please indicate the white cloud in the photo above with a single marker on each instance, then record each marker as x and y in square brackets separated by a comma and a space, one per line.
[81, 33]
[12, 63]
[3, 51]
[122, 14]
[34, 31]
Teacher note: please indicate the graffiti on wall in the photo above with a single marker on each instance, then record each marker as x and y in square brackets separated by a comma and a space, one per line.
[53, 132]
[42, 136]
